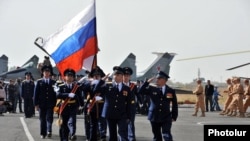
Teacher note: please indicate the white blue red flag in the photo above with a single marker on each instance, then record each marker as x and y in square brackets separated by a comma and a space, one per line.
[75, 44]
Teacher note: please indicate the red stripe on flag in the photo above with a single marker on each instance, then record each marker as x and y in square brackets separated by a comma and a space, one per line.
[75, 61]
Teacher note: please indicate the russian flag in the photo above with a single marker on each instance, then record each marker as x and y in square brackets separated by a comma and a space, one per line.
[75, 44]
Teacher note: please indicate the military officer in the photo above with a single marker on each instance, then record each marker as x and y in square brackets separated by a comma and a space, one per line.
[200, 101]
[229, 97]
[95, 104]
[161, 114]
[71, 94]
[117, 106]
[27, 93]
[45, 100]
[126, 80]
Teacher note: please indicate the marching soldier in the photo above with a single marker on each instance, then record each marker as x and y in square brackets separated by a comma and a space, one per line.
[200, 102]
[126, 80]
[161, 114]
[44, 101]
[95, 104]
[71, 101]
[246, 95]
[229, 97]
[237, 93]
[117, 106]
[27, 93]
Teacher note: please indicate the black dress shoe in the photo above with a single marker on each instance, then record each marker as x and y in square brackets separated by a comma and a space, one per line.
[73, 137]
[49, 134]
[42, 137]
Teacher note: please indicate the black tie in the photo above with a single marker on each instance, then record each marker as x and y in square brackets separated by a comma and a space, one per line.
[117, 87]
[160, 89]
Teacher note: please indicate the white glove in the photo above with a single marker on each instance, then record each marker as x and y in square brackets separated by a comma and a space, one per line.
[82, 80]
[98, 98]
[72, 95]
[95, 82]
[81, 107]
[56, 89]
[141, 105]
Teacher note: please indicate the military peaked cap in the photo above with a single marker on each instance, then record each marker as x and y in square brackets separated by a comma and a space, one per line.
[47, 68]
[127, 70]
[118, 70]
[69, 71]
[27, 73]
[162, 74]
[97, 71]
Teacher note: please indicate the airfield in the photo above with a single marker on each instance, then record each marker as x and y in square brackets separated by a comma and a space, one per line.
[14, 127]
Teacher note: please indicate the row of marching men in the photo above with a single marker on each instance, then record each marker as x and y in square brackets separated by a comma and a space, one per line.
[111, 103]
[238, 99]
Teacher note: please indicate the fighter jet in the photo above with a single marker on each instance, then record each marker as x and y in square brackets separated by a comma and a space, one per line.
[161, 63]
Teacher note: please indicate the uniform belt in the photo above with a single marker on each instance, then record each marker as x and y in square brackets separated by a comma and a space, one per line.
[71, 101]
[100, 101]
[198, 93]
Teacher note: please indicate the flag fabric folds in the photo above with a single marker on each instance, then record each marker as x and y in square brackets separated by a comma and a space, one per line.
[75, 44]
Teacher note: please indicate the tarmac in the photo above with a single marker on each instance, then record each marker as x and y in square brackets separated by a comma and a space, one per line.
[14, 127]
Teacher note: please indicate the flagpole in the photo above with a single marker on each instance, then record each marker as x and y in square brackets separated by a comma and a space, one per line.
[40, 46]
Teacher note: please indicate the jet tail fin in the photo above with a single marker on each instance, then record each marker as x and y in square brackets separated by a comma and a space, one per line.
[161, 63]
[32, 62]
[129, 61]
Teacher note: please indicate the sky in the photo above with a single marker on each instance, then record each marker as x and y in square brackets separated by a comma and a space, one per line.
[188, 28]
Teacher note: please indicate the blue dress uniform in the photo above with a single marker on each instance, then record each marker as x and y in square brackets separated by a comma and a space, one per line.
[160, 112]
[45, 98]
[116, 108]
[134, 99]
[27, 93]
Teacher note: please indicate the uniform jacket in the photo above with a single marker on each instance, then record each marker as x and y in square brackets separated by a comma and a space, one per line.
[91, 90]
[163, 107]
[63, 94]
[2, 96]
[44, 95]
[117, 103]
[27, 89]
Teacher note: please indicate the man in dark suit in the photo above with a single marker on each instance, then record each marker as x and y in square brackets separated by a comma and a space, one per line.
[161, 113]
[45, 101]
[27, 93]
[209, 90]
[117, 106]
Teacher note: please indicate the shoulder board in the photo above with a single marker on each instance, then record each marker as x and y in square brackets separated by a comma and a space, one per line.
[39, 79]
[61, 84]
[153, 85]
[108, 83]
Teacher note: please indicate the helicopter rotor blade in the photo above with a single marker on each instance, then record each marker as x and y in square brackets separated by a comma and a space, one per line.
[238, 66]
[207, 56]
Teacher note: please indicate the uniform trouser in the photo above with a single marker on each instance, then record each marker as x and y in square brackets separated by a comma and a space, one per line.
[209, 99]
[46, 120]
[93, 126]
[131, 125]
[216, 105]
[87, 126]
[102, 127]
[68, 127]
[19, 99]
[122, 129]
[246, 103]
[13, 101]
[199, 103]
[162, 129]
[227, 102]
[237, 102]
[28, 107]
